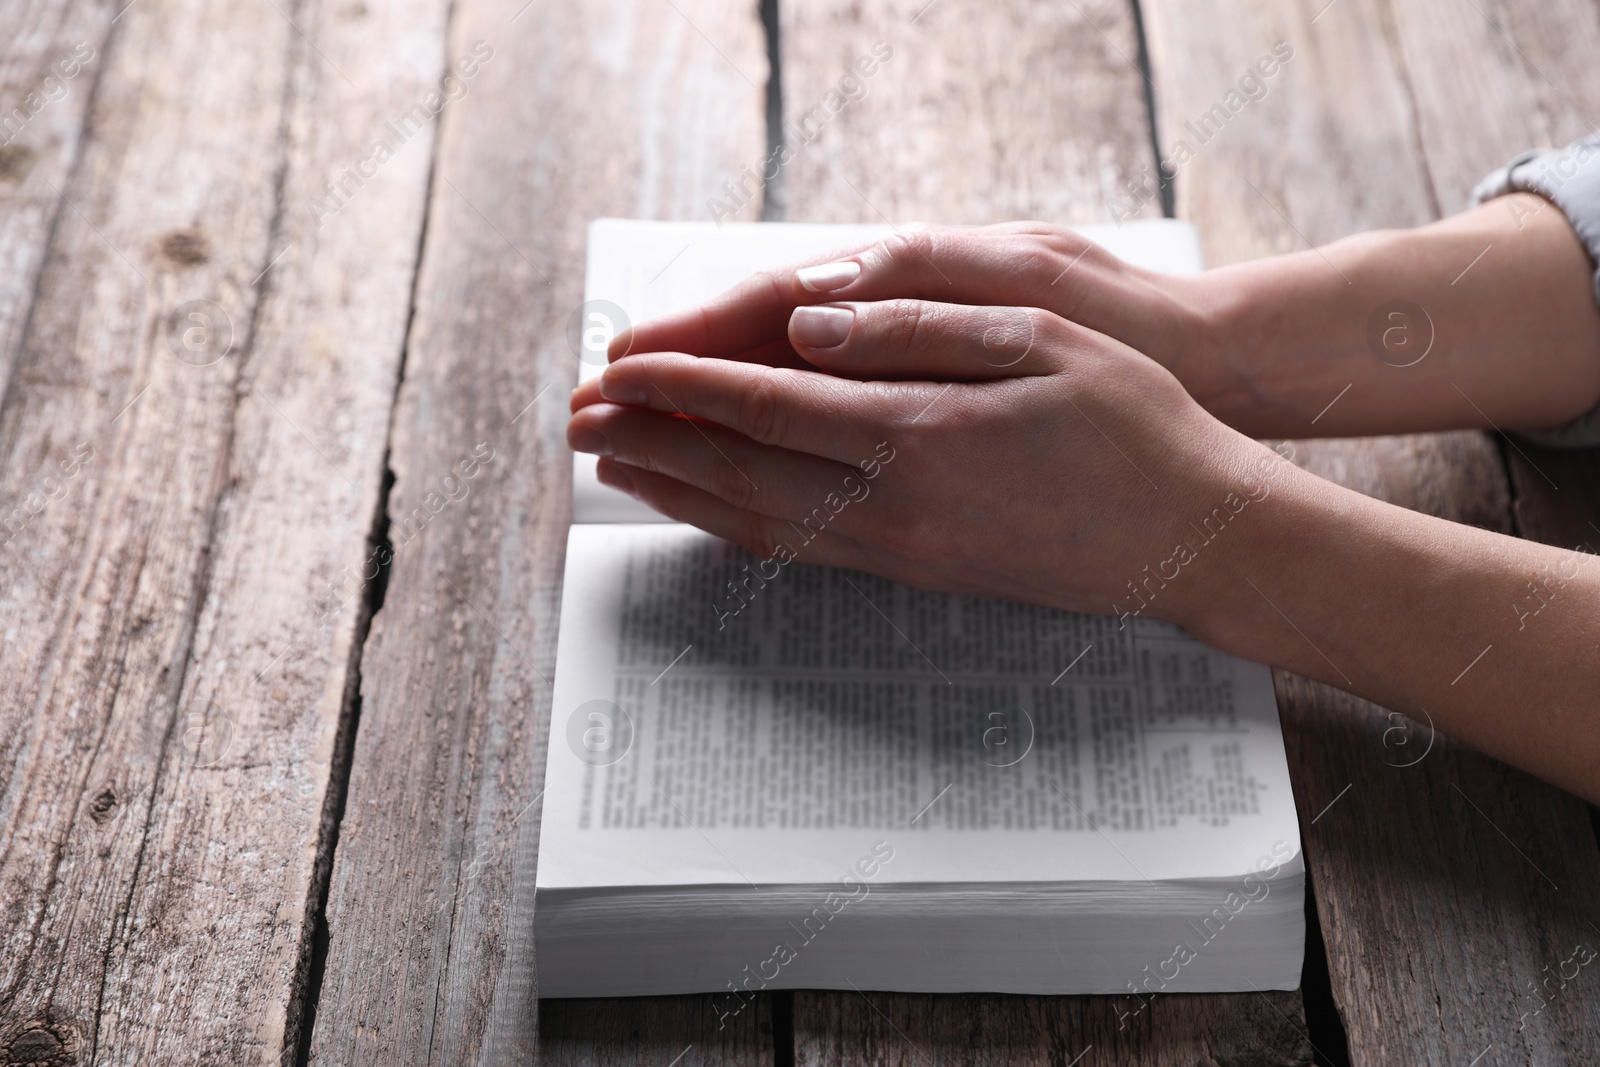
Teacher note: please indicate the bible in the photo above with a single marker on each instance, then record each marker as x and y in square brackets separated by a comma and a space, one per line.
[770, 774]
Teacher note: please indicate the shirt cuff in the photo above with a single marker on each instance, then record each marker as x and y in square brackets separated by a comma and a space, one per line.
[1569, 178]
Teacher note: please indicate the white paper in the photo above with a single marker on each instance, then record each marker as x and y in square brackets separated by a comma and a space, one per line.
[836, 709]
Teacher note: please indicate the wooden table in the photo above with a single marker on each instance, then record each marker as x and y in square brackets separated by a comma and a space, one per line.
[257, 809]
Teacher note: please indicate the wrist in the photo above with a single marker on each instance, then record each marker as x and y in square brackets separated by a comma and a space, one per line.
[1239, 509]
[1269, 337]
[1303, 567]
[1209, 343]
[1352, 591]
[1489, 638]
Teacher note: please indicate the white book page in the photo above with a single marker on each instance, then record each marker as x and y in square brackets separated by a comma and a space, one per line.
[776, 735]
[648, 269]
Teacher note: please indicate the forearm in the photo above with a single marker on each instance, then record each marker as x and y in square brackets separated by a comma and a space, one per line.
[1496, 639]
[1487, 318]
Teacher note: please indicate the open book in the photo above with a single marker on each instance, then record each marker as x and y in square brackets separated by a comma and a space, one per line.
[766, 776]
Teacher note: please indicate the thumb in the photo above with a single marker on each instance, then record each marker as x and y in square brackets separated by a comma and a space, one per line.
[920, 339]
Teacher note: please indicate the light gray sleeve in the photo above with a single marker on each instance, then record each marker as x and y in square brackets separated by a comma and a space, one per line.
[1570, 178]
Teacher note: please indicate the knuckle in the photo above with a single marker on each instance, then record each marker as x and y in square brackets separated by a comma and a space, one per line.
[900, 324]
[1008, 334]
[730, 483]
[1062, 241]
[906, 539]
[1041, 228]
[1042, 324]
[910, 248]
[911, 413]
[760, 537]
[1033, 257]
[761, 415]
[1048, 330]
[774, 284]
[911, 539]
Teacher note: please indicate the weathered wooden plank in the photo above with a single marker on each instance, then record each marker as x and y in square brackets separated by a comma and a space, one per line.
[196, 444]
[986, 114]
[1556, 495]
[587, 110]
[1446, 884]
[652, 1030]
[49, 63]
[1177, 1029]
[981, 114]
[1493, 80]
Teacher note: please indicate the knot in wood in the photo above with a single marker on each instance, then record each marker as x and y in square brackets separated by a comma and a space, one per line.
[39, 1045]
[187, 248]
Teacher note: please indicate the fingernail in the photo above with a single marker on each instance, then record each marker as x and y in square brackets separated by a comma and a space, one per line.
[821, 326]
[584, 439]
[829, 276]
[621, 392]
[612, 475]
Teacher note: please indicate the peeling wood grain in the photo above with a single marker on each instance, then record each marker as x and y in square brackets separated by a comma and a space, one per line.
[587, 110]
[1174, 1030]
[985, 113]
[50, 60]
[199, 412]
